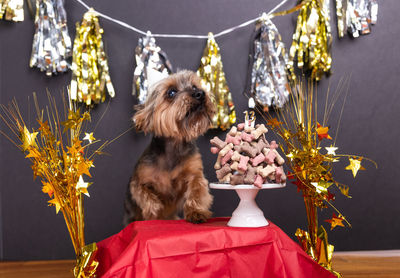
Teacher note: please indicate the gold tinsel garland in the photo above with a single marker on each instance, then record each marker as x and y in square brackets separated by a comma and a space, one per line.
[312, 39]
[12, 10]
[90, 73]
[213, 79]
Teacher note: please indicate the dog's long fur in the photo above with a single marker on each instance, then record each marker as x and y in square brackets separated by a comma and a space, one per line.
[169, 174]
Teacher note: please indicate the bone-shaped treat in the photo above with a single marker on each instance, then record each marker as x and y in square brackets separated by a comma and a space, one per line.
[258, 182]
[218, 142]
[243, 163]
[234, 166]
[226, 149]
[217, 164]
[261, 129]
[237, 179]
[260, 145]
[233, 140]
[270, 155]
[214, 150]
[278, 174]
[247, 137]
[247, 149]
[258, 159]
[223, 171]
[236, 156]
[250, 175]
[265, 172]
[240, 126]
[227, 178]
[233, 131]
[226, 157]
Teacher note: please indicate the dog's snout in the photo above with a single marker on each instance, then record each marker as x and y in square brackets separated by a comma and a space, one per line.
[198, 95]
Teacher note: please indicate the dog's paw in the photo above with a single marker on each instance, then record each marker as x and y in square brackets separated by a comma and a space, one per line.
[197, 217]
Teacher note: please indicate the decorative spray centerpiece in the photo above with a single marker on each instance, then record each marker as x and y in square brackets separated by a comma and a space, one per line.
[61, 162]
[311, 166]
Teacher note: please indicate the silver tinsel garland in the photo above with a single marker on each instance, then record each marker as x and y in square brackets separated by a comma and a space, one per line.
[51, 43]
[269, 83]
[152, 64]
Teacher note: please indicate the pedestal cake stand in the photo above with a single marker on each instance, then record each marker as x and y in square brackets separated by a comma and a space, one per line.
[247, 214]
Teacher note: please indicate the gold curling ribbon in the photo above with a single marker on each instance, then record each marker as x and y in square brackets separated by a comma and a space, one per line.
[12, 10]
[312, 39]
[90, 73]
[213, 79]
[86, 264]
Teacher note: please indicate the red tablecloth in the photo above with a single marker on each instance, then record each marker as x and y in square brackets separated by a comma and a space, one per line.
[176, 248]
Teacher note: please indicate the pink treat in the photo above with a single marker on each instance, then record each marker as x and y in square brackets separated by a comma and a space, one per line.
[258, 181]
[258, 159]
[233, 140]
[226, 158]
[214, 150]
[273, 145]
[240, 126]
[270, 157]
[247, 137]
[243, 163]
[278, 174]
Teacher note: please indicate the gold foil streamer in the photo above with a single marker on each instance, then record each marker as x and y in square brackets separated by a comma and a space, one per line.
[312, 39]
[341, 17]
[12, 10]
[60, 157]
[213, 79]
[152, 65]
[86, 264]
[269, 84]
[90, 73]
[311, 165]
[51, 43]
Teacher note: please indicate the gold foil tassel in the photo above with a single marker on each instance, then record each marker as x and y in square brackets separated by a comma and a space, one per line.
[213, 79]
[51, 43]
[341, 13]
[312, 39]
[12, 10]
[90, 73]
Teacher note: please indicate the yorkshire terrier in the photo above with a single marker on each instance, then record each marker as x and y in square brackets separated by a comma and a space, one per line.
[168, 176]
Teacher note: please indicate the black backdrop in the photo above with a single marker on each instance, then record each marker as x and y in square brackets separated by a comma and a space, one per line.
[31, 230]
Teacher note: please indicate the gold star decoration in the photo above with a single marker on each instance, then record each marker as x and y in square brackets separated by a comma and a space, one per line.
[82, 186]
[89, 137]
[28, 139]
[321, 186]
[55, 203]
[335, 221]
[355, 165]
[331, 150]
[322, 132]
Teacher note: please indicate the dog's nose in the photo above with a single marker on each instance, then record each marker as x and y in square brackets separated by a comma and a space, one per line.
[198, 94]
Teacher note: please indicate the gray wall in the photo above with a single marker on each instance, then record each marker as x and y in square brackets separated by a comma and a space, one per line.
[31, 230]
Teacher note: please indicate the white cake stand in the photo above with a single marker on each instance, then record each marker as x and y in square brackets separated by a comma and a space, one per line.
[247, 214]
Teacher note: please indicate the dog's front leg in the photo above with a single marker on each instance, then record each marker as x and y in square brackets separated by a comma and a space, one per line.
[150, 205]
[197, 200]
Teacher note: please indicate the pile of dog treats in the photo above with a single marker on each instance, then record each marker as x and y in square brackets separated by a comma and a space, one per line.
[246, 157]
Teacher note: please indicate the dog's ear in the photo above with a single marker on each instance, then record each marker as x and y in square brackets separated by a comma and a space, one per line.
[143, 119]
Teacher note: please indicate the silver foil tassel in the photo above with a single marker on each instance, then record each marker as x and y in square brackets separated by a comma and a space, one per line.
[341, 13]
[51, 43]
[152, 65]
[12, 10]
[360, 15]
[269, 83]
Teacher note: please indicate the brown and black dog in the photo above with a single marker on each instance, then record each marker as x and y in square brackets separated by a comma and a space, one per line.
[168, 177]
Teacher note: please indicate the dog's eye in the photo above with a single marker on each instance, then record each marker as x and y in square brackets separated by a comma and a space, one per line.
[171, 93]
